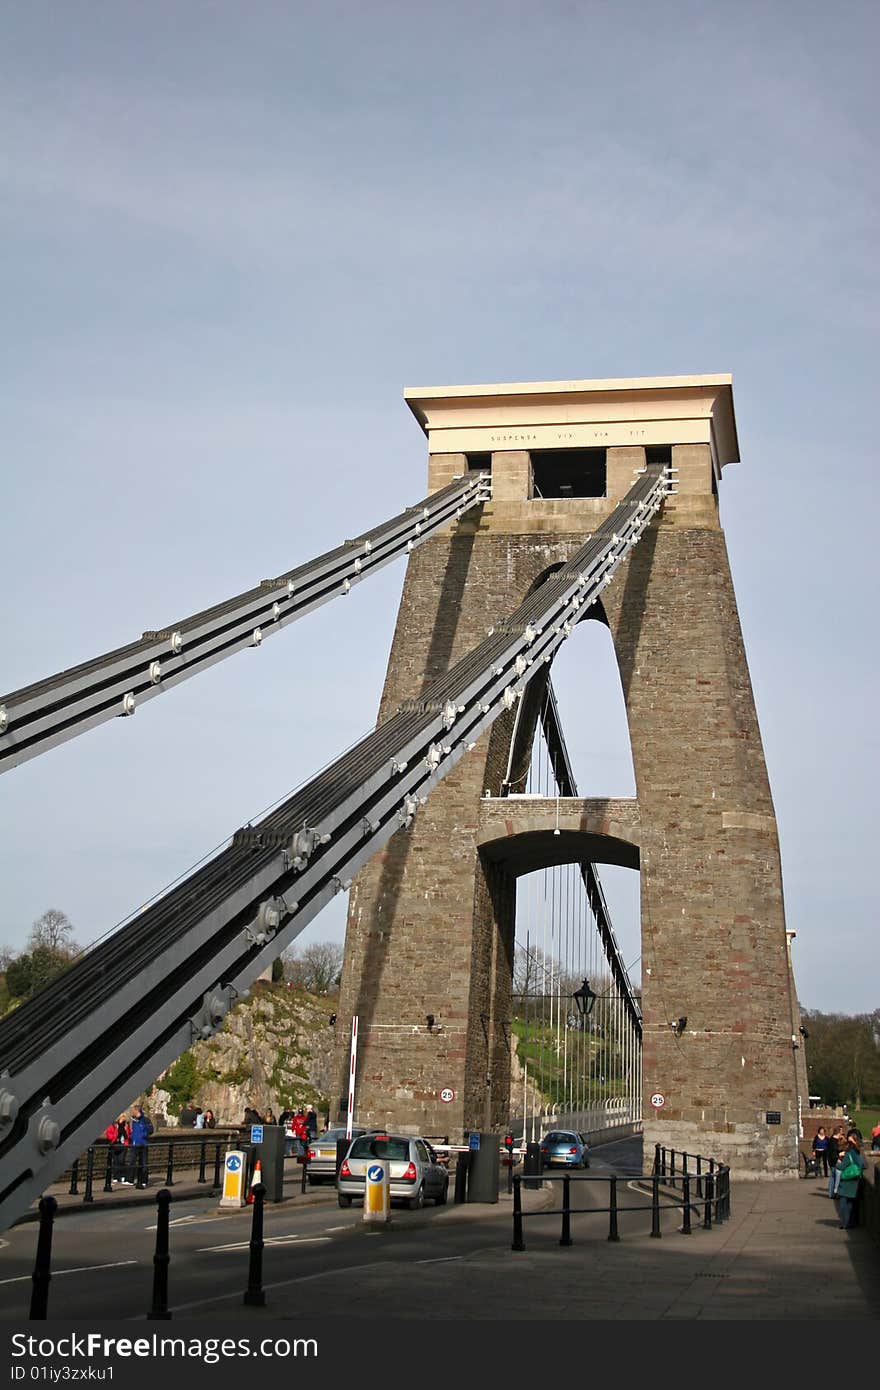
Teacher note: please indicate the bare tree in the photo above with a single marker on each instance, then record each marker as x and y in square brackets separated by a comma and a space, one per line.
[316, 968]
[55, 931]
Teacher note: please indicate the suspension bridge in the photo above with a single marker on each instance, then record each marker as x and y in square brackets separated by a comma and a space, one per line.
[463, 788]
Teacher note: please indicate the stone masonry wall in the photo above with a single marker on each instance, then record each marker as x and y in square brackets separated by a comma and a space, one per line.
[431, 926]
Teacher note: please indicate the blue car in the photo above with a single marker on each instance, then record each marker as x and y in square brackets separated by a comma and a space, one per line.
[564, 1148]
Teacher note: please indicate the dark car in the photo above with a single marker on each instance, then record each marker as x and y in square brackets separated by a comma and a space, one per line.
[564, 1148]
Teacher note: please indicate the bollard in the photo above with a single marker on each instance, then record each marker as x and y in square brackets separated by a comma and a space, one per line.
[169, 1167]
[518, 1242]
[73, 1190]
[655, 1207]
[88, 1195]
[532, 1165]
[43, 1263]
[216, 1186]
[202, 1152]
[565, 1238]
[161, 1258]
[461, 1177]
[254, 1296]
[108, 1171]
[686, 1199]
[612, 1210]
[710, 1197]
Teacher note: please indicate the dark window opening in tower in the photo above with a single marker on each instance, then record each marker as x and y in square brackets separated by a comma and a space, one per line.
[479, 462]
[658, 453]
[569, 472]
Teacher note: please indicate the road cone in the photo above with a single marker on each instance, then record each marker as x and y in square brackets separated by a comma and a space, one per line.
[258, 1177]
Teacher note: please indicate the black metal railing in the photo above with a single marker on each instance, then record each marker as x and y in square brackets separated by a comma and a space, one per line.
[109, 1163]
[700, 1189]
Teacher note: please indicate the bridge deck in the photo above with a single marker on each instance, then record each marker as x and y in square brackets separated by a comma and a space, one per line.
[780, 1257]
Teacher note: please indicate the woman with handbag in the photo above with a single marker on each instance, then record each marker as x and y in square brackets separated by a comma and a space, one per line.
[851, 1165]
[836, 1143]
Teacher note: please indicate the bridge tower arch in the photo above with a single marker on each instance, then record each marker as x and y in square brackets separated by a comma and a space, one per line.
[430, 934]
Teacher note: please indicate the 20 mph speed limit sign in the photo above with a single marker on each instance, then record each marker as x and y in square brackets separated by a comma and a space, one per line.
[447, 1095]
[658, 1100]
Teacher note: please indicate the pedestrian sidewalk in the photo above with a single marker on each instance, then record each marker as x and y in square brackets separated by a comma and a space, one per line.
[779, 1257]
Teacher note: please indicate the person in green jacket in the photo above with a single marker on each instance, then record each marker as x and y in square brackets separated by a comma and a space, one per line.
[848, 1187]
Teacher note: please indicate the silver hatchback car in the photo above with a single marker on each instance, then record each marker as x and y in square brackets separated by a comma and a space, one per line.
[414, 1172]
[322, 1154]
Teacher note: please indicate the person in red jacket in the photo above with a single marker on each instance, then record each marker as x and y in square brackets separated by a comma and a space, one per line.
[118, 1135]
[300, 1131]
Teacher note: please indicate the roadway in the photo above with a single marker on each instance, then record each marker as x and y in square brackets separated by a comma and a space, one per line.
[456, 1262]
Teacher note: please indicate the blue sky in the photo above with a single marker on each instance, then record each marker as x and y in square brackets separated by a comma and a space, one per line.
[233, 234]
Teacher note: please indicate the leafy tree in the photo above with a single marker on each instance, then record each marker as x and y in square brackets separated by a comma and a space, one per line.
[843, 1057]
[33, 969]
[181, 1081]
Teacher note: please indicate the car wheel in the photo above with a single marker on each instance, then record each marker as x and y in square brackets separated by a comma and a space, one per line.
[418, 1201]
[440, 1199]
[344, 1201]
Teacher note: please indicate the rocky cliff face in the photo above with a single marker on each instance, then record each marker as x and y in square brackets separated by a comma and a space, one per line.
[275, 1048]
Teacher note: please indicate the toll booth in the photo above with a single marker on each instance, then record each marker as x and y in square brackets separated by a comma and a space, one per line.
[483, 1167]
[267, 1143]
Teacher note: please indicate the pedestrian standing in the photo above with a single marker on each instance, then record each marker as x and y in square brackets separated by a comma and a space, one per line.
[852, 1166]
[836, 1142]
[117, 1135]
[820, 1152]
[141, 1129]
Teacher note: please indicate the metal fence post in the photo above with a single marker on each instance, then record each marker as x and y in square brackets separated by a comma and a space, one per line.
[656, 1168]
[43, 1263]
[73, 1190]
[108, 1171]
[169, 1167]
[161, 1258]
[216, 1187]
[686, 1204]
[88, 1195]
[202, 1152]
[518, 1242]
[707, 1208]
[304, 1160]
[655, 1207]
[254, 1296]
[672, 1167]
[699, 1176]
[565, 1238]
[612, 1210]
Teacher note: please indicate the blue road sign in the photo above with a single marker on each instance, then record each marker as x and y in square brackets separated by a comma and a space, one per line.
[233, 1162]
[256, 1134]
[473, 1141]
[375, 1172]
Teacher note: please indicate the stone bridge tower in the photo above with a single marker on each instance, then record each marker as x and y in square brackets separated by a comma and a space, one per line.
[429, 942]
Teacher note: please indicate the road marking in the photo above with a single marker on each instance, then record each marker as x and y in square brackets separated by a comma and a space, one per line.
[337, 1228]
[272, 1240]
[189, 1221]
[82, 1269]
[439, 1260]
